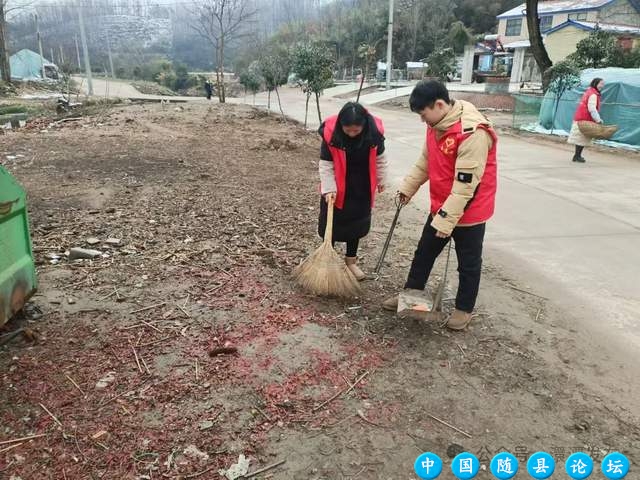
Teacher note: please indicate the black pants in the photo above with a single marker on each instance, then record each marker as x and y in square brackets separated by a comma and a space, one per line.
[468, 244]
[352, 247]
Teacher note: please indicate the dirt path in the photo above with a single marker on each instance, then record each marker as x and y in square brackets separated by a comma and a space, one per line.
[213, 206]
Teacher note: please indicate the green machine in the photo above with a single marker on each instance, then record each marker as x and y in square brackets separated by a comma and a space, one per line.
[17, 266]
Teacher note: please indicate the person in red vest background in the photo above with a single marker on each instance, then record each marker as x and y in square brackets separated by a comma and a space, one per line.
[588, 110]
[352, 170]
[459, 160]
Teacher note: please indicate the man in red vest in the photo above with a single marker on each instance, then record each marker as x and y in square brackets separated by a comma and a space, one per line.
[459, 159]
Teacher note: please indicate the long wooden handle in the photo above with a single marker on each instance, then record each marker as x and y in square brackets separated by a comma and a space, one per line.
[388, 240]
[328, 230]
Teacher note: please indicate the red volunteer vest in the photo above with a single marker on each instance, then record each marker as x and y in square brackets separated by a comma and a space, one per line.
[582, 112]
[441, 159]
[339, 157]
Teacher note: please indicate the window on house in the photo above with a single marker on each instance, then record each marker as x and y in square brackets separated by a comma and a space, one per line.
[545, 23]
[581, 16]
[514, 27]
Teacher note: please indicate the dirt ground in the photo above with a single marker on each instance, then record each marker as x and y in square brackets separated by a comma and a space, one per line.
[186, 345]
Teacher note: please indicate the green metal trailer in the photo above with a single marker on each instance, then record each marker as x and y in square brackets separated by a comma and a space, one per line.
[17, 267]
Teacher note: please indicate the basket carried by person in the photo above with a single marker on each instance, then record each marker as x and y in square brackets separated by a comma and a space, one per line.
[596, 130]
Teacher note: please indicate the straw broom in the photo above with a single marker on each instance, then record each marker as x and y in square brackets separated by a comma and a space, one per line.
[324, 271]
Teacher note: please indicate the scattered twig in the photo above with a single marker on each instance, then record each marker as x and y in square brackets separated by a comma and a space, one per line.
[538, 314]
[525, 291]
[265, 469]
[121, 395]
[51, 415]
[137, 325]
[91, 310]
[184, 311]
[135, 354]
[262, 413]
[115, 292]
[148, 308]
[145, 366]
[264, 299]
[461, 350]
[224, 271]
[23, 439]
[151, 326]
[75, 439]
[75, 384]
[64, 120]
[11, 447]
[196, 369]
[262, 244]
[449, 425]
[362, 416]
[341, 392]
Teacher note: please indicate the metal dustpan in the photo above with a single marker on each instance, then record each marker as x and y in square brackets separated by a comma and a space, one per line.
[415, 304]
[418, 304]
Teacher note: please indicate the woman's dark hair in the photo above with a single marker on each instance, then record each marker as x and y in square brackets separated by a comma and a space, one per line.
[352, 114]
[426, 94]
[594, 83]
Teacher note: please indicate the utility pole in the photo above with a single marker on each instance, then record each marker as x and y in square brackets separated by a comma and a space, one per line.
[389, 44]
[113, 74]
[85, 51]
[40, 47]
[75, 37]
[61, 55]
[53, 60]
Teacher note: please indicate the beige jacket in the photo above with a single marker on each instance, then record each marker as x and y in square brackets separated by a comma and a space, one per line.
[472, 158]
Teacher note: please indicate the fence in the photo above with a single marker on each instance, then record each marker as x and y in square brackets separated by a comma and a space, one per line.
[526, 110]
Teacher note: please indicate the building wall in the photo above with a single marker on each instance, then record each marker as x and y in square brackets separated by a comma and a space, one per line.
[562, 43]
[621, 9]
[620, 12]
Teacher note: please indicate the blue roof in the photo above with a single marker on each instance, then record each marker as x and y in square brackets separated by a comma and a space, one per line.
[590, 26]
[564, 6]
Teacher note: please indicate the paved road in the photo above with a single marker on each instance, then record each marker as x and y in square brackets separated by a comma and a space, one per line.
[566, 231]
[122, 89]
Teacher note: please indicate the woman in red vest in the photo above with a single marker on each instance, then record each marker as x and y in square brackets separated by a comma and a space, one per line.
[352, 169]
[588, 110]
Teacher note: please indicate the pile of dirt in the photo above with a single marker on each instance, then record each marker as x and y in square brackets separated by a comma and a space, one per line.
[152, 88]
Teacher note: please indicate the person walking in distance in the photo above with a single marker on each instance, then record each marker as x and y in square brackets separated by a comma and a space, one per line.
[588, 110]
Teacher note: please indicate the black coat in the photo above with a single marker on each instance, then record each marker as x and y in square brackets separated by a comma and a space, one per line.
[353, 221]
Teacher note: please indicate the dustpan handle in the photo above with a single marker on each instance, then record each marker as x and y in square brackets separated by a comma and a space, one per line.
[328, 230]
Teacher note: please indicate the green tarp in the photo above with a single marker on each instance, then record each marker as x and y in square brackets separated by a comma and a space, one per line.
[620, 103]
[27, 65]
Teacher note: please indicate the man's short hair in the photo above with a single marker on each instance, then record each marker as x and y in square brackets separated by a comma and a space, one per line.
[426, 93]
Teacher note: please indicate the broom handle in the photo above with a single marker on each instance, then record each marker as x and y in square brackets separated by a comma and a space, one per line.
[328, 230]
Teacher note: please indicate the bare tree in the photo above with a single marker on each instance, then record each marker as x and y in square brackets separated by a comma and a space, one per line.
[221, 22]
[4, 51]
[535, 39]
